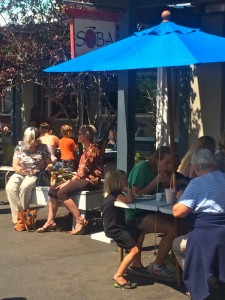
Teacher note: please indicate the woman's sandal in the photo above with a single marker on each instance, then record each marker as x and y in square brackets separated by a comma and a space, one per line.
[126, 286]
[48, 227]
[82, 229]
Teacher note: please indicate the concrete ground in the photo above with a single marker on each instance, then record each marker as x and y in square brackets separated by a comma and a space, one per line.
[56, 265]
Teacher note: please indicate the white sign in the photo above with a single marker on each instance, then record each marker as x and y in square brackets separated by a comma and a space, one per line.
[92, 34]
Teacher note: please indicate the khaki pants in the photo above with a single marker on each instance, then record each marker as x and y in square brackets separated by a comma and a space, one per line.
[179, 248]
[18, 191]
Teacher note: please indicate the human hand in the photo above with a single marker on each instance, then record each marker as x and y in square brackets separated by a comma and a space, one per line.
[61, 184]
[179, 194]
[5, 129]
[126, 189]
[49, 168]
[164, 178]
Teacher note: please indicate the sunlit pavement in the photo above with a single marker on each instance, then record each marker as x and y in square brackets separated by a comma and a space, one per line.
[56, 265]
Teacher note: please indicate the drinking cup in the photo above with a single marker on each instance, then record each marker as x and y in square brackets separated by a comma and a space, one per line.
[170, 195]
[158, 196]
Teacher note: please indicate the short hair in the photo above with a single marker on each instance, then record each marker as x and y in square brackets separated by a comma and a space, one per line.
[65, 129]
[30, 135]
[44, 127]
[159, 155]
[114, 181]
[203, 159]
[221, 141]
[89, 131]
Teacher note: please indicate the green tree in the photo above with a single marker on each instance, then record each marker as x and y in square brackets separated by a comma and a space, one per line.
[35, 34]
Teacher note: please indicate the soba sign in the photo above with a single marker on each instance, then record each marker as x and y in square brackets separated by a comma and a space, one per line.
[92, 34]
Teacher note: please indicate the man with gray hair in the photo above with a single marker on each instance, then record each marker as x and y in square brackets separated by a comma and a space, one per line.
[200, 253]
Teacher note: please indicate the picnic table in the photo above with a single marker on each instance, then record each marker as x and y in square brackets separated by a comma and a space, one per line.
[148, 203]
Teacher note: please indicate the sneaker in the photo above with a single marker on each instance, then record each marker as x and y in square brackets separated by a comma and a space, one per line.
[162, 273]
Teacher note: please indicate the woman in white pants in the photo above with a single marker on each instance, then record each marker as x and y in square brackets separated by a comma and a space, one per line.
[30, 157]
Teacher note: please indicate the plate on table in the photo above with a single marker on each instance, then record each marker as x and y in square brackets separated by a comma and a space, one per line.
[144, 196]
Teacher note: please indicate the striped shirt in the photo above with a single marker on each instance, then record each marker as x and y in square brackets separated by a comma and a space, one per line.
[206, 193]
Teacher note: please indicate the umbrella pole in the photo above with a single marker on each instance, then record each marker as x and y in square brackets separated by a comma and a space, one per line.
[171, 124]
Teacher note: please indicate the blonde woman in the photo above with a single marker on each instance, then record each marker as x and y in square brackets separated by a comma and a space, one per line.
[204, 142]
[115, 227]
[30, 157]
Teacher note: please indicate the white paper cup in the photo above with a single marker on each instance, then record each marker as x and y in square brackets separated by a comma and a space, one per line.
[158, 196]
[170, 195]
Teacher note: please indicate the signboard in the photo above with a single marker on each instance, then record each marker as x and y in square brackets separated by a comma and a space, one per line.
[92, 34]
[91, 29]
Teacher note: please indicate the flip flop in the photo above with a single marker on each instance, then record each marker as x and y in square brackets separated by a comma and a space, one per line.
[126, 286]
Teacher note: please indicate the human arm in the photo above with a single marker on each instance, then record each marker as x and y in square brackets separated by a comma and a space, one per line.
[21, 169]
[49, 164]
[151, 186]
[180, 210]
[90, 165]
[126, 198]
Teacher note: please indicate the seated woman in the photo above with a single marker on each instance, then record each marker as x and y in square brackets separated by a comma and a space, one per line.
[204, 142]
[88, 176]
[201, 252]
[147, 177]
[51, 140]
[30, 157]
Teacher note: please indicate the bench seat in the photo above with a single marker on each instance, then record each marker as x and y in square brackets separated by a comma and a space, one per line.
[84, 200]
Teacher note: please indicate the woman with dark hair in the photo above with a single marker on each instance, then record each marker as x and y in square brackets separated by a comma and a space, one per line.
[88, 176]
[148, 177]
[49, 139]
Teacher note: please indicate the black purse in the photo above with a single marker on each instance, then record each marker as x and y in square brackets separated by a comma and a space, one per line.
[43, 178]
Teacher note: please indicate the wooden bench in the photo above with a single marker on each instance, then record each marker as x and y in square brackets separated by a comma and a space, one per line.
[84, 200]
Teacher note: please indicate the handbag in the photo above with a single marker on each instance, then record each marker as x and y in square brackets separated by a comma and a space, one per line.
[59, 176]
[26, 220]
[43, 178]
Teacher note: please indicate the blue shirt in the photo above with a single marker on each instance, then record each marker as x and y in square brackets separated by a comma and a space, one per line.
[206, 193]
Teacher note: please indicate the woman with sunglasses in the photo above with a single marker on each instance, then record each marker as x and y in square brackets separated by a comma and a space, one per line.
[88, 176]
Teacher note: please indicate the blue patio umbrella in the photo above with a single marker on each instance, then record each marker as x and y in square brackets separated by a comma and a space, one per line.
[166, 45]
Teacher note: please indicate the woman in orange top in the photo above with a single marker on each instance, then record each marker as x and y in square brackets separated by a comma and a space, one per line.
[67, 148]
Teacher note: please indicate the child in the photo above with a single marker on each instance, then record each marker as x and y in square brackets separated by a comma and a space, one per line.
[67, 147]
[126, 236]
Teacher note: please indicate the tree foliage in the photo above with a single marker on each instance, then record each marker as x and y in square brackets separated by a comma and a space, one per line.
[34, 34]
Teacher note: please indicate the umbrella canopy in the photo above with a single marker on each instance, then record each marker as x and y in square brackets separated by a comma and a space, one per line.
[165, 45]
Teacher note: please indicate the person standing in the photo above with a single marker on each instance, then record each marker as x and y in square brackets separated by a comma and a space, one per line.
[51, 140]
[67, 148]
[3, 130]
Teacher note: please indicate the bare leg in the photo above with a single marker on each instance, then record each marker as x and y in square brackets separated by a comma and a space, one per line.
[53, 206]
[125, 264]
[160, 224]
[52, 210]
[137, 259]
